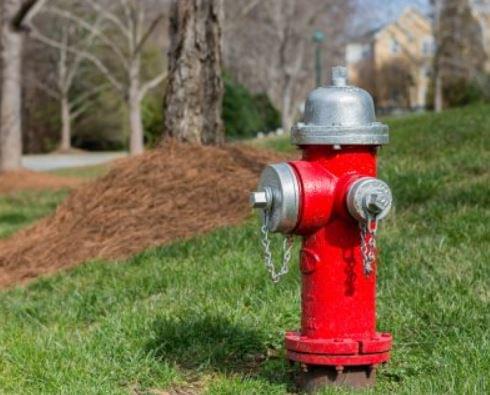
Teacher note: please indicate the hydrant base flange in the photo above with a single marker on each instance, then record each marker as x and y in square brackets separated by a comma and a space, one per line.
[338, 352]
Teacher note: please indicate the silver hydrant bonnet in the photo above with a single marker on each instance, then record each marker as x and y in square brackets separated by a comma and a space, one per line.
[339, 115]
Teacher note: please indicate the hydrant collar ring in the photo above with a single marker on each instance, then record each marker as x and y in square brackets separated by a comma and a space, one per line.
[374, 133]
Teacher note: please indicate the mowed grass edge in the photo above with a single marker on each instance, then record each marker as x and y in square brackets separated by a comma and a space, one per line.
[202, 316]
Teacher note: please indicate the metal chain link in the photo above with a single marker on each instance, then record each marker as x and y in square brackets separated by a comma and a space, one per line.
[368, 242]
[287, 246]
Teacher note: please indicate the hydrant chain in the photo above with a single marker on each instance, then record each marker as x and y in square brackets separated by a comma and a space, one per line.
[368, 241]
[287, 246]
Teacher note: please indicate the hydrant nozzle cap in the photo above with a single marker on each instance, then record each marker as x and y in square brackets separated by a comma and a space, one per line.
[278, 198]
[371, 195]
[339, 114]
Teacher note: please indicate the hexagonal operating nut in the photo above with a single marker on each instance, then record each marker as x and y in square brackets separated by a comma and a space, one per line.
[339, 75]
[259, 200]
[376, 202]
[369, 195]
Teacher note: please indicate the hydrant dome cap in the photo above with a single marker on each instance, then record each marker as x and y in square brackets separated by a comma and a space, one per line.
[339, 114]
[339, 106]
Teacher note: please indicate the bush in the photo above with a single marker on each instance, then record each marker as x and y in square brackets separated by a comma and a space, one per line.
[153, 119]
[460, 91]
[245, 114]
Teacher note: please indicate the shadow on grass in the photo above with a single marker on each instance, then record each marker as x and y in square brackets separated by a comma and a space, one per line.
[13, 218]
[213, 343]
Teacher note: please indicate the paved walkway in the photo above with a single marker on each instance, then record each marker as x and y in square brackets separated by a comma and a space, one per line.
[47, 162]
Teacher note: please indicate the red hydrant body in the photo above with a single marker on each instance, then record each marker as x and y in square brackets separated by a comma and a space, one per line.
[338, 300]
[332, 199]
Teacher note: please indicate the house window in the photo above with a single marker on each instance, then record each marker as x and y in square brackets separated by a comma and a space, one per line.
[394, 46]
[366, 51]
[425, 71]
[428, 46]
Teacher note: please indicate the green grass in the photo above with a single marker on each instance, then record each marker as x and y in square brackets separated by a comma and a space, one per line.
[84, 172]
[22, 208]
[203, 315]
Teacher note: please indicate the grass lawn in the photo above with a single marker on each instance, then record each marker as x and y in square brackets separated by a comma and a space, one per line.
[22, 208]
[83, 172]
[202, 315]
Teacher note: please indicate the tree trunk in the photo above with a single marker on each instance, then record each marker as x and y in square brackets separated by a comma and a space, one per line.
[10, 111]
[287, 113]
[65, 124]
[136, 144]
[438, 100]
[136, 137]
[195, 89]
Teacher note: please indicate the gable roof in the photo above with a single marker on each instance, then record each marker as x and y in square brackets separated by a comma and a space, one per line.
[370, 34]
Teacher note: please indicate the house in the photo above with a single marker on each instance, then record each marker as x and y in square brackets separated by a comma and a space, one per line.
[480, 10]
[394, 62]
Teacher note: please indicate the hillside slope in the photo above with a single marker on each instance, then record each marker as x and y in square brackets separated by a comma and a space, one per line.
[202, 316]
[164, 195]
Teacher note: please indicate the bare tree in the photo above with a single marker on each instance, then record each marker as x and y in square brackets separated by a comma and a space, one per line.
[460, 54]
[195, 89]
[438, 99]
[14, 14]
[67, 67]
[268, 46]
[124, 29]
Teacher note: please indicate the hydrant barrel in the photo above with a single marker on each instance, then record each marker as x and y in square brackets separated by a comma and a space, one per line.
[334, 201]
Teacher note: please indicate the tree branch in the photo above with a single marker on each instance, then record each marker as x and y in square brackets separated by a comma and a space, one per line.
[26, 12]
[79, 111]
[110, 17]
[73, 69]
[34, 33]
[147, 34]
[86, 95]
[241, 15]
[45, 88]
[151, 84]
[90, 28]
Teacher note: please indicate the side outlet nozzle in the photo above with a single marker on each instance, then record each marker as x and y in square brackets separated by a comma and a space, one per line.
[369, 196]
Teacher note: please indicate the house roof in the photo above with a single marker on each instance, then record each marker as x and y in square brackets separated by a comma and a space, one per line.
[368, 36]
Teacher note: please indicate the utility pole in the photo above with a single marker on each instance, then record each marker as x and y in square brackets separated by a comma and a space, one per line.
[318, 39]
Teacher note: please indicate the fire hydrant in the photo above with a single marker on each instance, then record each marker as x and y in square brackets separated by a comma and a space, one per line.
[333, 200]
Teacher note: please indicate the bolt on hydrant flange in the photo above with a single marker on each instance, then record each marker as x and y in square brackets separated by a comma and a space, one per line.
[332, 199]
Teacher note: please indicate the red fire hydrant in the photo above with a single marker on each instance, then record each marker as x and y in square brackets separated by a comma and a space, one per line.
[332, 199]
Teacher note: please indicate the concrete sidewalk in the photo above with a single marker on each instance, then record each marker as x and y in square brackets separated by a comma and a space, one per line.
[46, 162]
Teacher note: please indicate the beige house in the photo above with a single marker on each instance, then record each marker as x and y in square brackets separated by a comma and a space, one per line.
[394, 62]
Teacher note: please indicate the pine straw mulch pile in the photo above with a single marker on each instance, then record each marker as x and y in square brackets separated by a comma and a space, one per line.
[168, 194]
[23, 180]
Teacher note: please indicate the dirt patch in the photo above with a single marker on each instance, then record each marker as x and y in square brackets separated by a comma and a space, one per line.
[164, 195]
[15, 181]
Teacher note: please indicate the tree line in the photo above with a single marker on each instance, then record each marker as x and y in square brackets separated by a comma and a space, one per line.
[75, 57]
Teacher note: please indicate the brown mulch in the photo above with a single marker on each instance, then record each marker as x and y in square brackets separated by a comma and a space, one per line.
[22, 180]
[168, 194]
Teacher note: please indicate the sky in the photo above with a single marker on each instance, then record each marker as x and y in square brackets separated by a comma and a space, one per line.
[374, 13]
